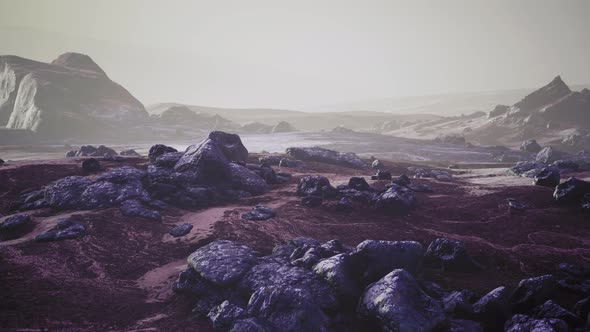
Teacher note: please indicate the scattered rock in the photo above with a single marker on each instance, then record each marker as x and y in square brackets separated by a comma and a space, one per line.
[516, 206]
[66, 193]
[134, 208]
[380, 257]
[315, 185]
[101, 194]
[342, 272]
[548, 177]
[344, 205]
[459, 303]
[450, 256]
[223, 262]
[396, 303]
[532, 292]
[260, 212]
[424, 188]
[403, 180]
[284, 162]
[181, 230]
[551, 309]
[493, 308]
[358, 183]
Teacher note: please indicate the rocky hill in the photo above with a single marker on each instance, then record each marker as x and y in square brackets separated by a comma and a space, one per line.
[70, 97]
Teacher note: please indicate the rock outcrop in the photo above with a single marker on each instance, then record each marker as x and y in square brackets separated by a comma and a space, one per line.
[71, 97]
[327, 156]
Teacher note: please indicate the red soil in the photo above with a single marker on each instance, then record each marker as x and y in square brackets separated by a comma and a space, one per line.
[118, 276]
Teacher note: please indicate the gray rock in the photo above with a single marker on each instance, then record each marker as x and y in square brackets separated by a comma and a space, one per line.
[288, 309]
[358, 183]
[530, 146]
[376, 164]
[285, 162]
[397, 303]
[123, 174]
[450, 256]
[380, 257]
[230, 144]
[223, 262]
[516, 205]
[523, 323]
[493, 308]
[548, 155]
[130, 153]
[66, 193]
[259, 212]
[205, 163]
[344, 205]
[459, 303]
[181, 230]
[225, 315]
[342, 272]
[314, 185]
[551, 309]
[66, 229]
[168, 159]
[134, 208]
[132, 189]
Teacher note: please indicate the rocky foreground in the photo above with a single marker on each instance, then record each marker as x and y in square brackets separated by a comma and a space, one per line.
[214, 238]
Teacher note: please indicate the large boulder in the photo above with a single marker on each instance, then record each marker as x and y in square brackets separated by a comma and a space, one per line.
[532, 292]
[397, 303]
[327, 156]
[315, 185]
[101, 194]
[205, 163]
[66, 193]
[71, 97]
[493, 308]
[396, 200]
[223, 262]
[571, 191]
[245, 179]
[342, 272]
[230, 144]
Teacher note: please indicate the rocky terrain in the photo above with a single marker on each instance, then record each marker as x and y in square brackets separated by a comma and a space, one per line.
[217, 238]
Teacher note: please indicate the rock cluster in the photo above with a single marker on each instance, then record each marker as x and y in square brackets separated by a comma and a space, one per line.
[327, 156]
[92, 151]
[306, 285]
[206, 173]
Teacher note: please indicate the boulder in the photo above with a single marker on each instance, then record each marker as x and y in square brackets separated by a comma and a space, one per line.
[341, 272]
[548, 155]
[315, 185]
[403, 180]
[14, 223]
[548, 177]
[523, 323]
[181, 230]
[326, 156]
[66, 229]
[230, 144]
[130, 153]
[260, 212]
[530, 146]
[91, 165]
[225, 315]
[223, 262]
[450, 256]
[551, 309]
[205, 163]
[344, 204]
[285, 162]
[158, 150]
[71, 154]
[312, 201]
[397, 303]
[382, 175]
[66, 193]
[571, 191]
[396, 200]
[459, 303]
[101, 194]
[103, 151]
[380, 257]
[288, 309]
[123, 174]
[493, 308]
[376, 164]
[134, 208]
[532, 292]
[244, 179]
[358, 183]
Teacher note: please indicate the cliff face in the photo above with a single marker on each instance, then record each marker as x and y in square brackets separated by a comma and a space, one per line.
[70, 97]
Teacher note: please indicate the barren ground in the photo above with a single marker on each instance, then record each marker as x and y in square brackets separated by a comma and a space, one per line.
[118, 276]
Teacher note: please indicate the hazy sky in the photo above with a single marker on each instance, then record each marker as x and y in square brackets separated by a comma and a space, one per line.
[300, 53]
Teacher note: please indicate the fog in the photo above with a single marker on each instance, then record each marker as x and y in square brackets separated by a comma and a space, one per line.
[304, 54]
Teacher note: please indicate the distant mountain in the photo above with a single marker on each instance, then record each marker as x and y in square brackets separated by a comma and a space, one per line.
[70, 97]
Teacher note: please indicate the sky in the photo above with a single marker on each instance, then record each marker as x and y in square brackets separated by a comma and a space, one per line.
[300, 53]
